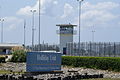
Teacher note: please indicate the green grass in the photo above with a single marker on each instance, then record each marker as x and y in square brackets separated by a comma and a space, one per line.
[4, 72]
[8, 72]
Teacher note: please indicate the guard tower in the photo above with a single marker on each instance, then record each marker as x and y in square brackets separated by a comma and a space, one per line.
[66, 32]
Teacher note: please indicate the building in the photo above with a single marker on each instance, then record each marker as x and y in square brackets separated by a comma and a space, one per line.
[8, 48]
[66, 32]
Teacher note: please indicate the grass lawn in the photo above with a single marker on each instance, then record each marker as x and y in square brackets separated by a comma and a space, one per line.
[4, 72]
[8, 72]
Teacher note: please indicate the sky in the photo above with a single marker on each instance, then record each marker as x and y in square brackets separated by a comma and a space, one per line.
[101, 16]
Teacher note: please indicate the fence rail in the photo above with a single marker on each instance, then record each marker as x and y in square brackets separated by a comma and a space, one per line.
[100, 49]
[44, 47]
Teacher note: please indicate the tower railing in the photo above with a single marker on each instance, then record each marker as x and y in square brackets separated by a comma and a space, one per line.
[74, 32]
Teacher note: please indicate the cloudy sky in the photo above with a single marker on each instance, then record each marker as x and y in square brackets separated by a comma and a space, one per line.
[101, 16]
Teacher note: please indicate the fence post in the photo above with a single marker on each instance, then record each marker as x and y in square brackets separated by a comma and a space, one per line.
[98, 48]
[90, 48]
[114, 52]
[109, 48]
[104, 49]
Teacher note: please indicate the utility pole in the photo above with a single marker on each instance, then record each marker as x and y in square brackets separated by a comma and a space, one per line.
[39, 48]
[93, 35]
[79, 5]
[93, 32]
[0, 12]
[33, 28]
[24, 32]
[2, 20]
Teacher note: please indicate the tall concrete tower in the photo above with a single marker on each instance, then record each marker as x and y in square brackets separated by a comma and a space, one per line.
[66, 32]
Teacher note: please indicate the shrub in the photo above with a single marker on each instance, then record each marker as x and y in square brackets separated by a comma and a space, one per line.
[2, 59]
[104, 63]
[18, 56]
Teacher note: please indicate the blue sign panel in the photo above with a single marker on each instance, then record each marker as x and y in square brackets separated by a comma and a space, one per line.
[43, 61]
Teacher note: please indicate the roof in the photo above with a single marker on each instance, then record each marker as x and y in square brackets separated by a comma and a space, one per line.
[10, 45]
[66, 25]
[49, 51]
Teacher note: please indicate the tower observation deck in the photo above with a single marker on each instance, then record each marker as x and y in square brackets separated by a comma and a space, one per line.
[66, 32]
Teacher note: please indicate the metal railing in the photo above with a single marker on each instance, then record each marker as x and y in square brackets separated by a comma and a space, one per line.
[74, 32]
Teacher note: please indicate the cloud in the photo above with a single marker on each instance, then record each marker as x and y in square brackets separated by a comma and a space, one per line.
[44, 3]
[99, 14]
[12, 22]
[12, 19]
[12, 26]
[25, 11]
[100, 6]
[55, 2]
[68, 9]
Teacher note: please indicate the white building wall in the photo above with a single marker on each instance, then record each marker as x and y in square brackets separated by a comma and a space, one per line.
[64, 39]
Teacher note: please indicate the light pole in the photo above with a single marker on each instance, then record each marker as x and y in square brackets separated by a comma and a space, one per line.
[33, 28]
[39, 48]
[79, 5]
[24, 32]
[0, 12]
[2, 20]
[93, 31]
